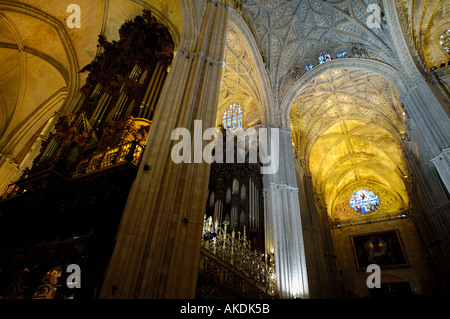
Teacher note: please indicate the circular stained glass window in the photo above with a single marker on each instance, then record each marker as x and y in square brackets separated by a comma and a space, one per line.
[364, 201]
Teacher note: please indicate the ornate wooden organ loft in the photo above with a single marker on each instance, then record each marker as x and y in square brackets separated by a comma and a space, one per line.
[113, 119]
[66, 208]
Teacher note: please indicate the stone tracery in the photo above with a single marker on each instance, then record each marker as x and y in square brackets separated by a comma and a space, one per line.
[292, 32]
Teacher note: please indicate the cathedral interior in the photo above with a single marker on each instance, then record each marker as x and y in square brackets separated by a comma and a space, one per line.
[91, 93]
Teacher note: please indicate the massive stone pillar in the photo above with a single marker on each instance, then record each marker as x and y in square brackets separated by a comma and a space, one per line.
[432, 128]
[429, 162]
[158, 241]
[323, 276]
[283, 224]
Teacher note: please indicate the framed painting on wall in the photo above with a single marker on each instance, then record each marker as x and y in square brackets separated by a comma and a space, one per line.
[382, 248]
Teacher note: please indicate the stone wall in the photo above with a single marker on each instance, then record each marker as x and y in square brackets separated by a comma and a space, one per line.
[418, 273]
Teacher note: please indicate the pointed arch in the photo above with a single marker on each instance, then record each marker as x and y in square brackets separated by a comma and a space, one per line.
[253, 72]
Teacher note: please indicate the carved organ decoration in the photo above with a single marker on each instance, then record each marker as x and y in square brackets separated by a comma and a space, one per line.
[49, 284]
[120, 96]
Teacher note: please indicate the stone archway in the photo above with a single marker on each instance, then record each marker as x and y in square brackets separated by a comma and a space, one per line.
[348, 126]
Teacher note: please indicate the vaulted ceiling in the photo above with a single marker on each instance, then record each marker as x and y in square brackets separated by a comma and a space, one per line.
[425, 22]
[347, 123]
[292, 33]
[240, 80]
[348, 126]
[35, 69]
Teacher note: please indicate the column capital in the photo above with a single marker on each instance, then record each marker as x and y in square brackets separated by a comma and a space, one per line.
[442, 164]
[283, 186]
[9, 159]
[429, 117]
[281, 128]
[445, 153]
[225, 3]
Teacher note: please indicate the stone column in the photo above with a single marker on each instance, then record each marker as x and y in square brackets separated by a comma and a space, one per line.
[283, 223]
[442, 164]
[432, 128]
[323, 276]
[158, 242]
[429, 163]
[431, 216]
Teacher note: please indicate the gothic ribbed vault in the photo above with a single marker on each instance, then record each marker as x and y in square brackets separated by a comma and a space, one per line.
[34, 77]
[348, 124]
[240, 82]
[425, 21]
[292, 33]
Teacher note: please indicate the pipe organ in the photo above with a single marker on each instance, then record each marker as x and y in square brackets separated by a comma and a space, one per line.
[235, 198]
[79, 182]
[119, 100]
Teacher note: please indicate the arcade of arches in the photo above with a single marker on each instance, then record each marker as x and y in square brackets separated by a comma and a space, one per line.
[359, 117]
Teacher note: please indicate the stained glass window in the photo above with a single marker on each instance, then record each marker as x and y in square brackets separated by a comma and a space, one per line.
[232, 117]
[324, 57]
[308, 67]
[342, 55]
[444, 41]
[364, 201]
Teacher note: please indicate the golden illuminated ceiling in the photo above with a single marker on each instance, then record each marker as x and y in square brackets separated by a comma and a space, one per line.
[240, 80]
[34, 74]
[348, 125]
[426, 20]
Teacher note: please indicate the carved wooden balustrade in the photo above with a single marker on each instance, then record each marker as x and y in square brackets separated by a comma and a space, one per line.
[130, 152]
